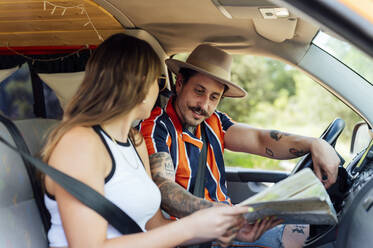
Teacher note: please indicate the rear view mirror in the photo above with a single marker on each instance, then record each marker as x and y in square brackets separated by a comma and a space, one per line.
[361, 137]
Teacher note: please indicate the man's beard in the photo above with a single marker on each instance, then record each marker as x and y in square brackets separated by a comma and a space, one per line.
[191, 122]
[192, 126]
[199, 111]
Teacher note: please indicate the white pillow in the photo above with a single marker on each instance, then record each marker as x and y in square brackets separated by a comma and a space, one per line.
[63, 84]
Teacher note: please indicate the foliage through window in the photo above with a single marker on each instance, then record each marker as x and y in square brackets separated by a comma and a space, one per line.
[348, 54]
[283, 98]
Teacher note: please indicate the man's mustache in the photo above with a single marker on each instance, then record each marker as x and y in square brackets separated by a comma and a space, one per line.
[199, 110]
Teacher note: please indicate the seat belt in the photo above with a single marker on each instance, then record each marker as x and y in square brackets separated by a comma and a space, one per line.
[84, 193]
[199, 186]
[31, 171]
[38, 94]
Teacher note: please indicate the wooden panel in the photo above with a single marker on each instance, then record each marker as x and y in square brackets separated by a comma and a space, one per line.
[39, 5]
[26, 23]
[46, 15]
[57, 25]
[68, 38]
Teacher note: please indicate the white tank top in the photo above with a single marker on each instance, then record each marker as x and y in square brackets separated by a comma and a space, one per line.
[130, 189]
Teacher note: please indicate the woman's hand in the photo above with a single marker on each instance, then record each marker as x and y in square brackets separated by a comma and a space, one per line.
[213, 223]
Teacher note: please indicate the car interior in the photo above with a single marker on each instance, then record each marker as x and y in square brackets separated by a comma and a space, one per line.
[55, 39]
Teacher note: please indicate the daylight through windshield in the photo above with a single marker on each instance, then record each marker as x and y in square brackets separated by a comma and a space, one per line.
[346, 53]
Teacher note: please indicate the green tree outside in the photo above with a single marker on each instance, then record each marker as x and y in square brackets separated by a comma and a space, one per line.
[283, 98]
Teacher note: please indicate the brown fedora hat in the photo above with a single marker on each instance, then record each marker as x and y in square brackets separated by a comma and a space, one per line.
[213, 62]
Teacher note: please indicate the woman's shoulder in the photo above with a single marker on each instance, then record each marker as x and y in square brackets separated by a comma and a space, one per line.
[79, 149]
[79, 154]
[84, 139]
[81, 133]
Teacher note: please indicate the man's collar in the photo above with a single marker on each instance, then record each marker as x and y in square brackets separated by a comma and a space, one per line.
[171, 112]
[187, 135]
[191, 129]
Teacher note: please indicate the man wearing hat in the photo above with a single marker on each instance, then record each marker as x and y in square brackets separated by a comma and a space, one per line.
[173, 138]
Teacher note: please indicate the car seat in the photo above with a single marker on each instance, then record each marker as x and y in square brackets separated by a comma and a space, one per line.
[23, 221]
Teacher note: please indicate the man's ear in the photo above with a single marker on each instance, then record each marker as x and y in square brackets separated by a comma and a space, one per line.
[178, 83]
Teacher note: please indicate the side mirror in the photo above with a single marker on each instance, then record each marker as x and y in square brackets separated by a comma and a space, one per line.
[361, 137]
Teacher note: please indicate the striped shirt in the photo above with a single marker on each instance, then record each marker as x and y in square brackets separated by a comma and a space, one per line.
[163, 132]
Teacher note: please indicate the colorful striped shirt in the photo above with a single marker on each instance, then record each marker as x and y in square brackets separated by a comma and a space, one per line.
[163, 132]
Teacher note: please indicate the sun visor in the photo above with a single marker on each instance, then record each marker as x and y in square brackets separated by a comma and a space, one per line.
[277, 30]
[241, 9]
[270, 21]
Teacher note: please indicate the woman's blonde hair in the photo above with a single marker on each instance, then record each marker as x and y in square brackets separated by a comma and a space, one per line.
[117, 77]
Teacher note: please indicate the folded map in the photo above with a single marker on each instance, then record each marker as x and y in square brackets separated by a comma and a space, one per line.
[299, 199]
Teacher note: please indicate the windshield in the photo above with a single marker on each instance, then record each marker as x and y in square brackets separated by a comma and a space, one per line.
[347, 54]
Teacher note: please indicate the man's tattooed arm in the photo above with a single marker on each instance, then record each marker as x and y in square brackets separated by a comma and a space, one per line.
[176, 201]
[296, 152]
[269, 152]
[277, 136]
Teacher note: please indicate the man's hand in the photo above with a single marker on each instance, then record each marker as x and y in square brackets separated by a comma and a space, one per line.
[250, 232]
[226, 239]
[247, 232]
[325, 162]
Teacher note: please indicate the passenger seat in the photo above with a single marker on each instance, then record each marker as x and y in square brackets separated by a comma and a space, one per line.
[21, 217]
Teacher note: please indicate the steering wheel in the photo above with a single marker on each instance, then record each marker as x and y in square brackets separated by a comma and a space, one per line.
[330, 135]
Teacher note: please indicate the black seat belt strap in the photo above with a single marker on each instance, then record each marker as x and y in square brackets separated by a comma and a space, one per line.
[38, 94]
[88, 196]
[199, 186]
[31, 171]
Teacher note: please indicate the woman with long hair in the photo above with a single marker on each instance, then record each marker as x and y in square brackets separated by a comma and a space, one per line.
[96, 144]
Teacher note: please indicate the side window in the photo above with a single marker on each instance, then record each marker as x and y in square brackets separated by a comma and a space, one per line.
[282, 98]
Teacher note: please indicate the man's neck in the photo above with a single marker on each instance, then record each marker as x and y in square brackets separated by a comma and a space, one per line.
[191, 129]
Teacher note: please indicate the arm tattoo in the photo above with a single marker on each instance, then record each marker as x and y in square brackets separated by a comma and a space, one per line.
[176, 201]
[269, 152]
[276, 135]
[161, 166]
[296, 152]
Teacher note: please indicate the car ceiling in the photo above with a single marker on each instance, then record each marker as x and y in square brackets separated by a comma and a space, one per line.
[178, 25]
